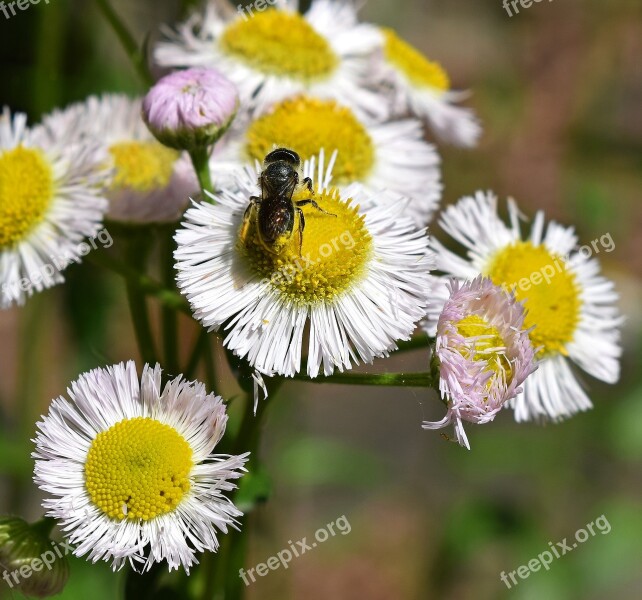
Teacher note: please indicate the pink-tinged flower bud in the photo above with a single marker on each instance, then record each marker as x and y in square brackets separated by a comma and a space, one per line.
[482, 353]
[190, 109]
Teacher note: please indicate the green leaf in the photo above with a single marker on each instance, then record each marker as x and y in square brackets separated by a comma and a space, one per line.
[255, 487]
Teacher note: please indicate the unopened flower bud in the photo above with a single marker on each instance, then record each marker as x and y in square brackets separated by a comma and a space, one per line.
[190, 109]
[31, 562]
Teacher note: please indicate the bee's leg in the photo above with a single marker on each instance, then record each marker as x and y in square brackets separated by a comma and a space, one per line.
[247, 217]
[313, 203]
[301, 228]
[307, 182]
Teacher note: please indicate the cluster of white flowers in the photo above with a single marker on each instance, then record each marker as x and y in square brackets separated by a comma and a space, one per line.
[127, 463]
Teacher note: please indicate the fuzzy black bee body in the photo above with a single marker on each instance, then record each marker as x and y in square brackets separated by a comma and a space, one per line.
[275, 213]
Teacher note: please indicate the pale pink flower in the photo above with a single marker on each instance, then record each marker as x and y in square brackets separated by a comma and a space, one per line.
[190, 109]
[483, 353]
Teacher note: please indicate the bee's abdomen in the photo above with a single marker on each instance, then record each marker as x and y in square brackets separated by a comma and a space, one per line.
[275, 220]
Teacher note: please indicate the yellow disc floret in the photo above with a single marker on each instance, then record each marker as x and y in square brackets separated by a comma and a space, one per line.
[488, 346]
[26, 192]
[307, 125]
[279, 42]
[334, 254]
[142, 166]
[549, 289]
[138, 469]
[413, 64]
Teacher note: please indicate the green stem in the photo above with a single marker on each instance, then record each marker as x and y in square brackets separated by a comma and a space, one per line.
[146, 284]
[222, 570]
[169, 315]
[200, 159]
[137, 256]
[127, 41]
[423, 379]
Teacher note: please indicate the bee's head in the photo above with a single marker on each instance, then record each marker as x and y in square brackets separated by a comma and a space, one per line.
[283, 155]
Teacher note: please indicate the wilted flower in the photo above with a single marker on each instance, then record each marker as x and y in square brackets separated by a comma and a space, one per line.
[482, 351]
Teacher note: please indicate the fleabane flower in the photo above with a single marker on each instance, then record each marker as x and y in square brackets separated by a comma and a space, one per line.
[571, 310]
[276, 53]
[127, 466]
[354, 279]
[190, 109]
[422, 86]
[151, 183]
[380, 156]
[482, 351]
[50, 200]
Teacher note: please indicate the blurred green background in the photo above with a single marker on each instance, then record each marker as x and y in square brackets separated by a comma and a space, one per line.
[559, 90]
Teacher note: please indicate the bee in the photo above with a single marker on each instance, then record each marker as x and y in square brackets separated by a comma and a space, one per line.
[275, 213]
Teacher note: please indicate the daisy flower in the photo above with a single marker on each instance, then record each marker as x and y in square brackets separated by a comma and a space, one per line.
[50, 200]
[127, 466]
[151, 183]
[380, 156]
[357, 280]
[482, 351]
[570, 307]
[277, 53]
[422, 87]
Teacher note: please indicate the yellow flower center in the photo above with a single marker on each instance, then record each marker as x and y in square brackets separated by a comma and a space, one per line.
[138, 469]
[413, 64]
[549, 289]
[279, 42]
[306, 125]
[334, 252]
[489, 346]
[26, 192]
[142, 166]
